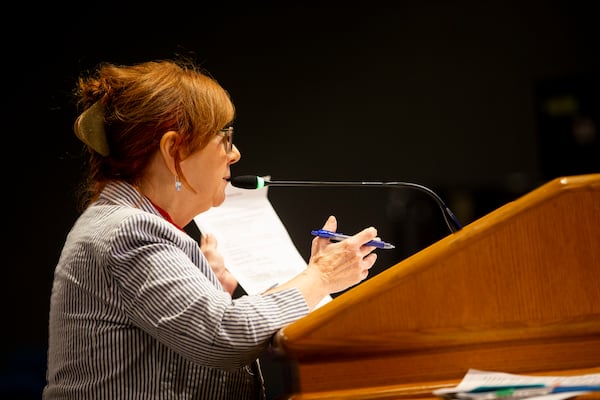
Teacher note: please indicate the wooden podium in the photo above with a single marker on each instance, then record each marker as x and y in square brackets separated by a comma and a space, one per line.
[517, 291]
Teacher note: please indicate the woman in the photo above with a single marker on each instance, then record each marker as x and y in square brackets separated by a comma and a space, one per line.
[138, 310]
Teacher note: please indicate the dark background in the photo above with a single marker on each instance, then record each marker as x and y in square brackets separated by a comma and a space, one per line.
[481, 103]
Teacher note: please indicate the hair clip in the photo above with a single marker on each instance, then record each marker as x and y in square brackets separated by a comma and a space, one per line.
[89, 128]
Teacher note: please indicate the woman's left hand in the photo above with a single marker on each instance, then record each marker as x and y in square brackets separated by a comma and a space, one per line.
[208, 244]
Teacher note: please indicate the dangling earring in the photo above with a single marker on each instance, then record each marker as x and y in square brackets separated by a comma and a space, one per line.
[177, 184]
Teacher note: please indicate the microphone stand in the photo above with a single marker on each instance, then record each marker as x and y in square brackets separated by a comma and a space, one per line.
[451, 220]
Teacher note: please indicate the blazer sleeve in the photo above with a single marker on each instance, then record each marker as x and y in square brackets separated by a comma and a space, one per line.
[168, 290]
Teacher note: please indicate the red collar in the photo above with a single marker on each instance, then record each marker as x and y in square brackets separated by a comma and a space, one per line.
[165, 215]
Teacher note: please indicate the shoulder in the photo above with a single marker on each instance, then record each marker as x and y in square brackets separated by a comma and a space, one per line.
[138, 227]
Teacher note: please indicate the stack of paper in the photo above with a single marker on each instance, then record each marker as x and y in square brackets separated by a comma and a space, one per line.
[485, 385]
[255, 245]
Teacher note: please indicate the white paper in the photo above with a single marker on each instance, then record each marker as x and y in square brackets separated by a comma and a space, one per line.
[255, 245]
[477, 378]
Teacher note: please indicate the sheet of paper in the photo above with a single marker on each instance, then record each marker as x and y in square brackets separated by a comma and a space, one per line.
[477, 378]
[257, 248]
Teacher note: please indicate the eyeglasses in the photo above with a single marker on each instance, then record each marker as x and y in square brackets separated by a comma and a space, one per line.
[227, 138]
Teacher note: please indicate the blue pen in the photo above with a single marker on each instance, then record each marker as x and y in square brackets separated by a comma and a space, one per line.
[503, 387]
[340, 236]
[523, 392]
[582, 388]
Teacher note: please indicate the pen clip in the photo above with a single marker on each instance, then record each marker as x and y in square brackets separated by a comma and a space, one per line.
[323, 233]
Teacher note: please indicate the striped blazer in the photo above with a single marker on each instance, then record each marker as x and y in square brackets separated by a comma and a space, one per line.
[137, 313]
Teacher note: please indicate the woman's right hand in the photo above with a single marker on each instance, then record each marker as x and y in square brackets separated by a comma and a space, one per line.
[334, 266]
[342, 264]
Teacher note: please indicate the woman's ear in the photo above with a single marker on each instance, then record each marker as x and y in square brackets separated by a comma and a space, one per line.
[169, 148]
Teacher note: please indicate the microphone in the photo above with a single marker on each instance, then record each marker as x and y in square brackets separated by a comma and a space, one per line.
[257, 182]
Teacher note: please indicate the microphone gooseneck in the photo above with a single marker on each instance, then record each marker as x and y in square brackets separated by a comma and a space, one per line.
[257, 182]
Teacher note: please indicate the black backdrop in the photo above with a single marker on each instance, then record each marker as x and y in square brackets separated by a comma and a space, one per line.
[482, 103]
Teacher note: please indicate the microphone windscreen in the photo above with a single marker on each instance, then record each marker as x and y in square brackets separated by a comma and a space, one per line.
[248, 182]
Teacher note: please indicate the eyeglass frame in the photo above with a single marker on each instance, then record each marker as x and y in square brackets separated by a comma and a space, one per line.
[227, 134]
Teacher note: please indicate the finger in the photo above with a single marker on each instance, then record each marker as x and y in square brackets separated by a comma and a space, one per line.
[364, 274]
[369, 260]
[330, 224]
[366, 235]
[208, 240]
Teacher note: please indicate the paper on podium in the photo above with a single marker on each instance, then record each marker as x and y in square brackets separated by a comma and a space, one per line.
[255, 245]
[475, 379]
